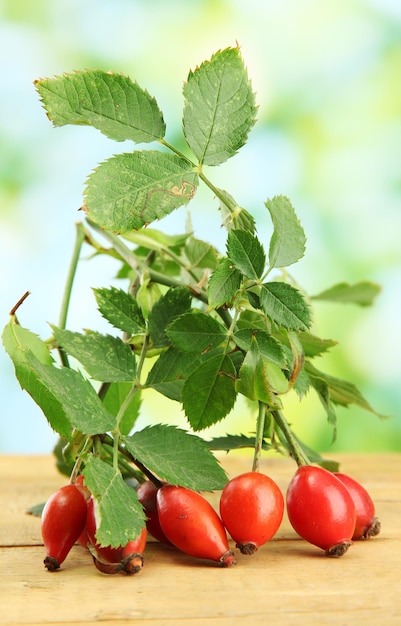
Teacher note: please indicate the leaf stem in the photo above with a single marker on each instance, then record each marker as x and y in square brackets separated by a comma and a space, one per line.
[260, 426]
[65, 302]
[295, 449]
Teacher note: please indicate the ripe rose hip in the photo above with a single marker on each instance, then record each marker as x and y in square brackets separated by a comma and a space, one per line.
[367, 524]
[63, 520]
[192, 525]
[321, 509]
[147, 492]
[252, 508]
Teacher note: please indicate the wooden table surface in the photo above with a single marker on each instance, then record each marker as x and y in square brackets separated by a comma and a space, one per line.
[286, 582]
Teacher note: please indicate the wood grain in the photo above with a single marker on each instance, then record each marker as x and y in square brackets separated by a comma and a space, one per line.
[286, 582]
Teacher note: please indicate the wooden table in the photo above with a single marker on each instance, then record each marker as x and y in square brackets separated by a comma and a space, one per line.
[286, 582]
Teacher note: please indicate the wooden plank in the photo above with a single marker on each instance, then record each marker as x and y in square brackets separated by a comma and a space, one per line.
[286, 582]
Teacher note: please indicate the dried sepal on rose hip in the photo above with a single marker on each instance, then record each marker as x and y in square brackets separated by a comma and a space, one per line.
[321, 510]
[192, 525]
[366, 524]
[62, 522]
[252, 508]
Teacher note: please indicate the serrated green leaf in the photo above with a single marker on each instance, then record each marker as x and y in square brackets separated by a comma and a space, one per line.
[362, 293]
[115, 396]
[287, 244]
[285, 306]
[268, 346]
[23, 346]
[120, 309]
[177, 457]
[208, 394]
[252, 381]
[223, 284]
[314, 346]
[196, 332]
[120, 516]
[341, 391]
[170, 371]
[105, 358]
[74, 394]
[175, 302]
[246, 253]
[112, 103]
[219, 108]
[201, 254]
[132, 190]
[235, 442]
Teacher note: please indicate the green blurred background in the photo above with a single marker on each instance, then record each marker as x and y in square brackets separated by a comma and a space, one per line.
[327, 78]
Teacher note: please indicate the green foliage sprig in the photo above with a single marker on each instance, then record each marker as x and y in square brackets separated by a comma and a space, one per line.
[215, 325]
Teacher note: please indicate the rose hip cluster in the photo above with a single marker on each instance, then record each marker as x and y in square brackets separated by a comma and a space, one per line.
[329, 510]
[69, 517]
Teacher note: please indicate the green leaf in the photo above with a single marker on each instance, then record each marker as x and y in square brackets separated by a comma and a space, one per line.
[259, 378]
[120, 309]
[314, 346]
[287, 244]
[235, 442]
[170, 371]
[105, 358]
[268, 346]
[209, 392]
[23, 346]
[196, 332]
[132, 190]
[113, 400]
[223, 284]
[171, 305]
[246, 253]
[177, 457]
[341, 391]
[74, 394]
[112, 103]
[119, 514]
[201, 254]
[285, 306]
[252, 381]
[362, 293]
[219, 108]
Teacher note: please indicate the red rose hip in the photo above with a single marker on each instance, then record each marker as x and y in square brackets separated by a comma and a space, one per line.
[321, 510]
[252, 508]
[367, 524]
[63, 520]
[192, 525]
